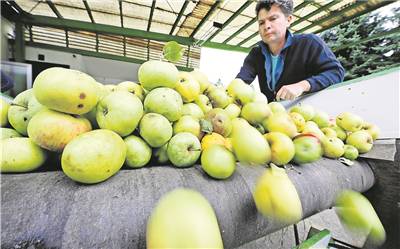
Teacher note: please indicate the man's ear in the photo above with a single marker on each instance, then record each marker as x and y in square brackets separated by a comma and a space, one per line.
[289, 19]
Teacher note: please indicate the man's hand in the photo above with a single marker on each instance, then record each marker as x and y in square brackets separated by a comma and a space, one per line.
[290, 92]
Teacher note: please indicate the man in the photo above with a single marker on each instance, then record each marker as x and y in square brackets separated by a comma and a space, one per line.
[288, 65]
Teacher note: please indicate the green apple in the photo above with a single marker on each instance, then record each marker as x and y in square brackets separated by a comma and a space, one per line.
[218, 162]
[282, 147]
[131, 87]
[66, 90]
[280, 122]
[94, 156]
[8, 133]
[172, 51]
[255, 112]
[372, 129]
[22, 109]
[340, 133]
[161, 154]
[357, 214]
[193, 110]
[138, 153]
[204, 103]
[333, 147]
[220, 121]
[298, 120]
[202, 79]
[260, 97]
[20, 154]
[321, 119]
[241, 92]
[362, 140]
[308, 148]
[312, 128]
[53, 130]
[276, 107]
[276, 197]
[154, 74]
[155, 129]
[249, 146]
[349, 121]
[233, 110]
[307, 111]
[184, 149]
[187, 87]
[329, 132]
[109, 88]
[4, 105]
[219, 98]
[102, 91]
[188, 124]
[350, 152]
[164, 101]
[120, 112]
[183, 218]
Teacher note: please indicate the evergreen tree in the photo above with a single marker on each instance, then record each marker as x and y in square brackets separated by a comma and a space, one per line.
[368, 57]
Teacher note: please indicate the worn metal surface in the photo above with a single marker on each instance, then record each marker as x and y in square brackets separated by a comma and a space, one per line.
[50, 208]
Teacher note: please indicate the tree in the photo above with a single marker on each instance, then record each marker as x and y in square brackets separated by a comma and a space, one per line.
[363, 58]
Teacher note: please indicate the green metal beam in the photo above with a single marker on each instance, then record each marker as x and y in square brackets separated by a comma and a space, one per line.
[389, 33]
[153, 5]
[241, 29]
[333, 15]
[343, 20]
[237, 12]
[45, 21]
[225, 46]
[89, 11]
[325, 7]
[179, 17]
[53, 8]
[205, 18]
[94, 54]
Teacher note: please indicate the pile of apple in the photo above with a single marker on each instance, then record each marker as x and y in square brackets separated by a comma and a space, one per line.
[170, 116]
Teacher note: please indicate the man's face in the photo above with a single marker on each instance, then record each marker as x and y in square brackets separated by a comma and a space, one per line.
[272, 24]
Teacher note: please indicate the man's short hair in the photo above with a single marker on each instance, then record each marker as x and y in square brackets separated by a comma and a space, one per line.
[286, 6]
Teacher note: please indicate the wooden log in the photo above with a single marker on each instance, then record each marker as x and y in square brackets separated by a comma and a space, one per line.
[49, 209]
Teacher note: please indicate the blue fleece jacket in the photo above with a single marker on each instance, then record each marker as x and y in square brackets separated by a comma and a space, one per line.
[304, 57]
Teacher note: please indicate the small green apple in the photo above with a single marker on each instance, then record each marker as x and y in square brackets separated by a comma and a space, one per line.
[20, 154]
[240, 91]
[138, 153]
[333, 147]
[321, 119]
[280, 122]
[22, 109]
[120, 112]
[349, 121]
[155, 129]
[193, 110]
[308, 148]
[94, 156]
[372, 129]
[233, 110]
[340, 133]
[131, 87]
[202, 79]
[362, 140]
[161, 154]
[154, 74]
[188, 124]
[204, 103]
[282, 147]
[255, 112]
[350, 152]
[298, 120]
[172, 51]
[307, 111]
[184, 149]
[329, 132]
[218, 162]
[276, 107]
[187, 87]
[219, 98]
[164, 101]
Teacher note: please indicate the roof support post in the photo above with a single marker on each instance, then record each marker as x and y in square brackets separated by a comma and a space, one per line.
[19, 42]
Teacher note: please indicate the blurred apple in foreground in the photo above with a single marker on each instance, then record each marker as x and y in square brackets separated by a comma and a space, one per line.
[183, 218]
[276, 197]
[357, 214]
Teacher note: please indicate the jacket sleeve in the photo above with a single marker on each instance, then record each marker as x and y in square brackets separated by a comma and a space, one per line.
[326, 68]
[248, 71]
